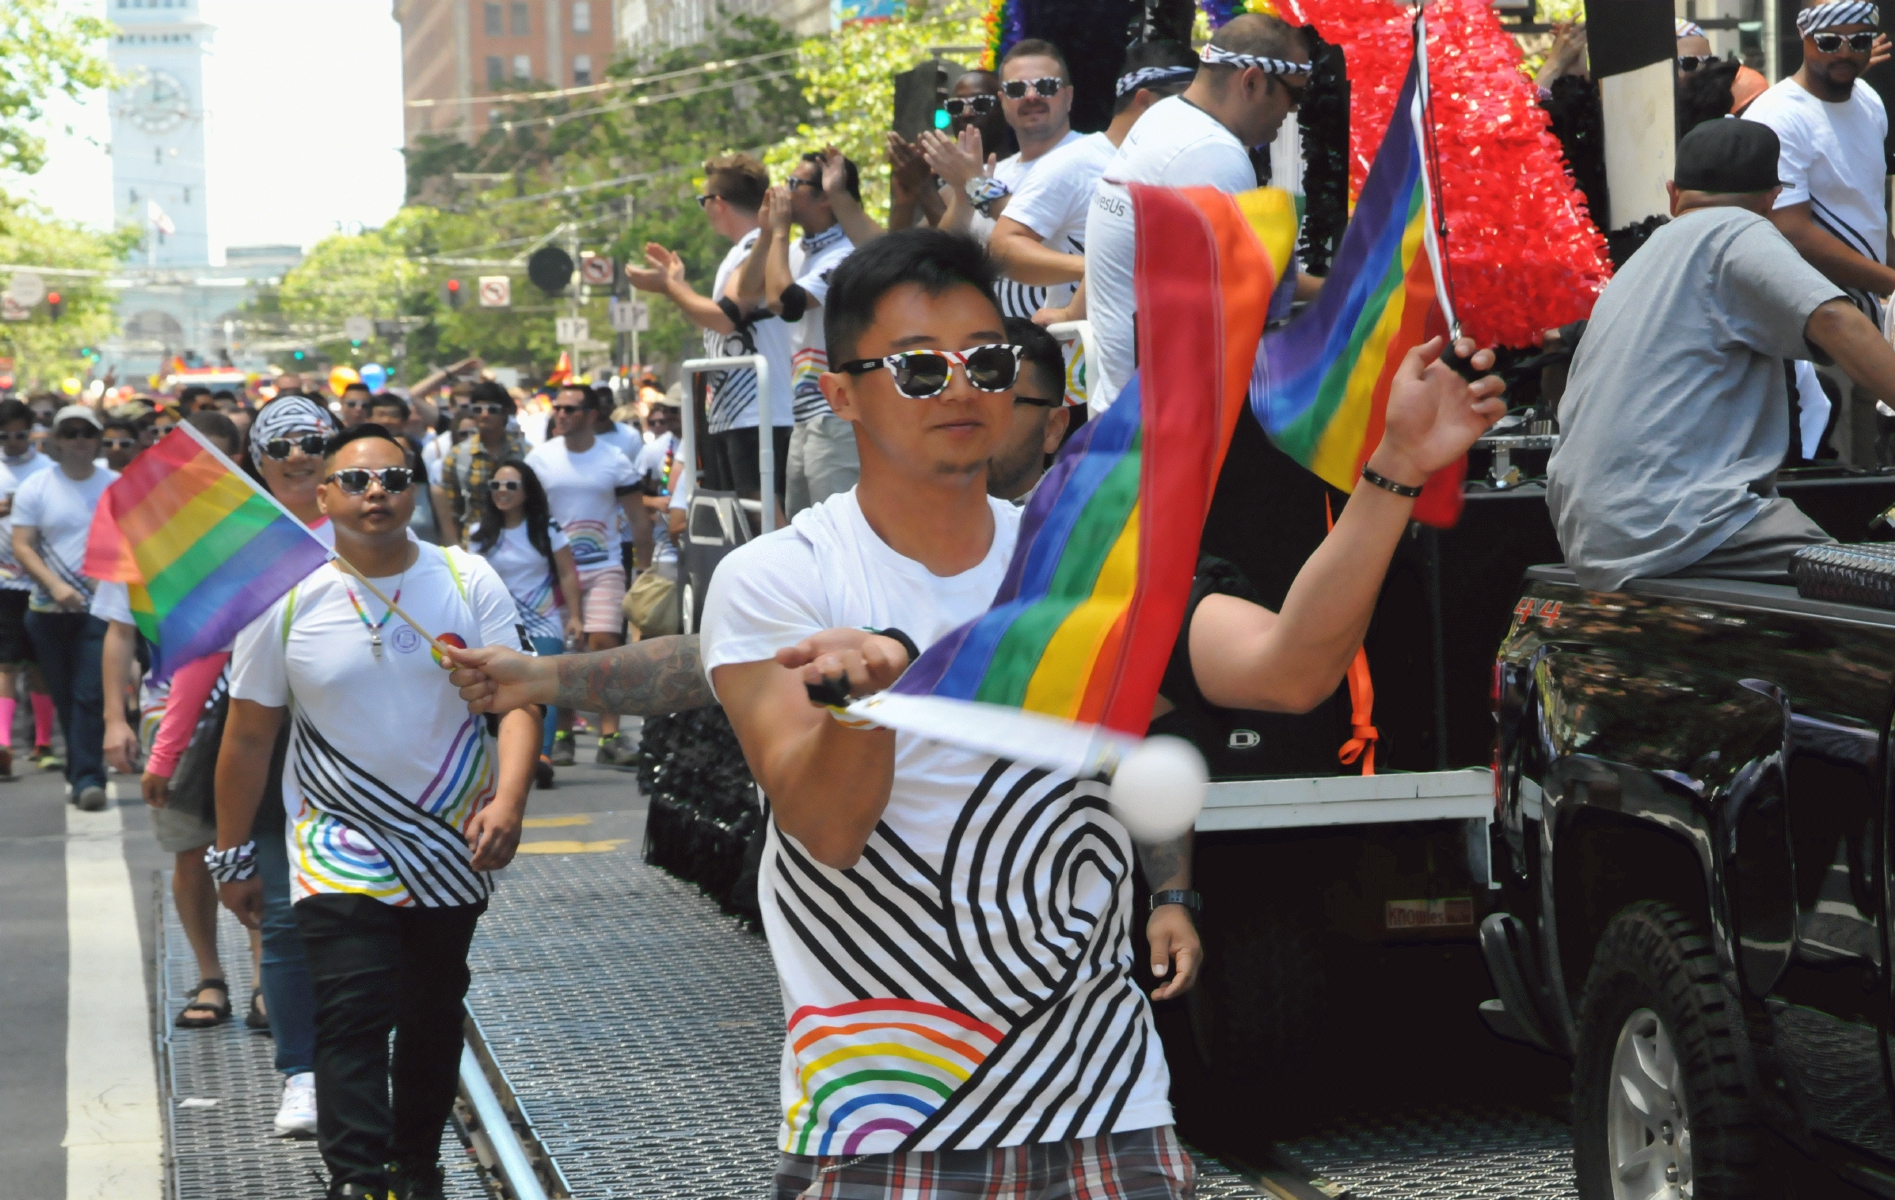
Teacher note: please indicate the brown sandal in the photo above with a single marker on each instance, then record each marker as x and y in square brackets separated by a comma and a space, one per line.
[219, 1013]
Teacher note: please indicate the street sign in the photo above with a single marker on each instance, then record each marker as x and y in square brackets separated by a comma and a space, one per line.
[595, 269]
[26, 289]
[388, 331]
[569, 331]
[496, 291]
[13, 310]
[358, 329]
[630, 316]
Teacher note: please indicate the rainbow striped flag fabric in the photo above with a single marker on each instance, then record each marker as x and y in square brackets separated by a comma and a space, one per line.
[202, 549]
[1321, 385]
[1084, 621]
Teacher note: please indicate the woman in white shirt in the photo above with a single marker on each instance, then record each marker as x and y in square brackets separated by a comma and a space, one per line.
[517, 536]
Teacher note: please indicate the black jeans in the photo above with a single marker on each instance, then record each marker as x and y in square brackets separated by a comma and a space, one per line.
[377, 967]
[70, 647]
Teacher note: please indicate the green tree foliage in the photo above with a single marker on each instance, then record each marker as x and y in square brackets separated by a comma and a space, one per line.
[43, 51]
[849, 78]
[46, 351]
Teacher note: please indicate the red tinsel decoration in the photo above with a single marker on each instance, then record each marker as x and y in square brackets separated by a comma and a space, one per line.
[1523, 256]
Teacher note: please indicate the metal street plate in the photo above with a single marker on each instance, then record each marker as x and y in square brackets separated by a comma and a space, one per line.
[26, 289]
[568, 331]
[595, 269]
[358, 329]
[496, 291]
[13, 310]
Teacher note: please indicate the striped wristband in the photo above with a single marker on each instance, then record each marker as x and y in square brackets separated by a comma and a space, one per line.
[233, 865]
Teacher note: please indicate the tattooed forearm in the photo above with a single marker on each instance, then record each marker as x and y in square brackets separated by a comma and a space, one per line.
[1167, 864]
[645, 679]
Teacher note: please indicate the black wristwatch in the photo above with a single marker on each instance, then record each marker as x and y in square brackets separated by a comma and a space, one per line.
[1184, 896]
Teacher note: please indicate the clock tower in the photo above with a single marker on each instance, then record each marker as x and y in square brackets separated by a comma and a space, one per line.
[158, 129]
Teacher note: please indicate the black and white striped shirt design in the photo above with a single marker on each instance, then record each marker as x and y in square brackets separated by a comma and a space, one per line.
[1019, 930]
[1853, 238]
[428, 856]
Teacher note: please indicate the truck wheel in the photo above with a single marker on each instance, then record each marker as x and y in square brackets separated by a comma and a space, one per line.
[1662, 1104]
[1264, 993]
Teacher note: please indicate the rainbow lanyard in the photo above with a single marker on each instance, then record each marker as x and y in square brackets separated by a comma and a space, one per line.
[375, 627]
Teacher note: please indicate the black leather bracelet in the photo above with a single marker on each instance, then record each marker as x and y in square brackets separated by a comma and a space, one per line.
[1184, 896]
[907, 643]
[1389, 485]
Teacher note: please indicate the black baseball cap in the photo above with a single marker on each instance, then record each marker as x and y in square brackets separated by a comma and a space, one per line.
[1728, 155]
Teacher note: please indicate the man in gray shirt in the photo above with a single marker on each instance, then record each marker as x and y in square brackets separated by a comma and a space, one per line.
[1676, 415]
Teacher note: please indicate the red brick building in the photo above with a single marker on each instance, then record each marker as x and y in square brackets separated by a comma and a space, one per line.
[453, 52]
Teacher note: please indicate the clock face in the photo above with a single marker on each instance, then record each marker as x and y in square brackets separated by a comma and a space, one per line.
[159, 103]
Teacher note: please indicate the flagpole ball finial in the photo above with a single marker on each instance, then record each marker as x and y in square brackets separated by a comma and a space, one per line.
[1159, 789]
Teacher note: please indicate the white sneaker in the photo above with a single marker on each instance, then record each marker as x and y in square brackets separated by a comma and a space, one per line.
[297, 1115]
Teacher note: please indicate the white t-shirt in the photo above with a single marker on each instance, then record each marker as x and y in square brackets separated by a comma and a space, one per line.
[529, 577]
[624, 438]
[61, 508]
[13, 473]
[1175, 144]
[983, 939]
[583, 490]
[812, 261]
[1018, 299]
[385, 763]
[656, 464]
[1053, 203]
[734, 393]
[1832, 159]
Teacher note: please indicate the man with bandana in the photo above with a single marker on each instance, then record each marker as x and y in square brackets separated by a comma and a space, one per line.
[1251, 77]
[1833, 165]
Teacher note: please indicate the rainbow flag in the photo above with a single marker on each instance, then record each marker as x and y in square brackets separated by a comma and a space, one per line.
[203, 549]
[1085, 618]
[1321, 386]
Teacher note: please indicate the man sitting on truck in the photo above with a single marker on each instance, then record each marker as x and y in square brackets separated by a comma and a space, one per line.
[1676, 414]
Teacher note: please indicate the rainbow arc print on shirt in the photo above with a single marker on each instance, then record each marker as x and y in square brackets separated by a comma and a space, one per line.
[203, 551]
[877, 1066]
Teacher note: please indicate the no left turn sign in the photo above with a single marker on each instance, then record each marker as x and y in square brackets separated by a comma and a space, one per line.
[496, 291]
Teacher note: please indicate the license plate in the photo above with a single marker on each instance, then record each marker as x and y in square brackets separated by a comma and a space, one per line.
[1428, 914]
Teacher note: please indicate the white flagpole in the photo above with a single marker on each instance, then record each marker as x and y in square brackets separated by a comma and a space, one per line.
[1421, 113]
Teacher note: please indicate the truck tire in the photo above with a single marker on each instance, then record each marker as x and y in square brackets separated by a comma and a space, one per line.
[1263, 996]
[1657, 1021]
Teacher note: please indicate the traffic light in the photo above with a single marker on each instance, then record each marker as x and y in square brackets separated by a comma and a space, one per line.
[454, 293]
[55, 304]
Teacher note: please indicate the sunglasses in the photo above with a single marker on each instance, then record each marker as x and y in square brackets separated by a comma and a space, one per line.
[567, 409]
[705, 200]
[504, 485]
[923, 374]
[487, 410]
[1045, 85]
[1691, 62]
[1829, 43]
[980, 105]
[355, 480]
[74, 433]
[118, 443]
[355, 404]
[794, 182]
[309, 443]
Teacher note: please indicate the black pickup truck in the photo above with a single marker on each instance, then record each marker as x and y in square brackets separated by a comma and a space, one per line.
[1692, 843]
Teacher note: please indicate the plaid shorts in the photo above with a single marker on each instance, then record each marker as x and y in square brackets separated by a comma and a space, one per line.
[1145, 1164]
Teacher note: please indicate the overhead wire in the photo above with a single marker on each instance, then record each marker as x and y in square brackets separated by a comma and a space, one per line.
[592, 88]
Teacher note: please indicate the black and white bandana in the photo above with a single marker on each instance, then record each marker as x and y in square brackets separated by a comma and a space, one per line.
[1146, 77]
[1840, 12]
[1684, 29]
[285, 416]
[1218, 56]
